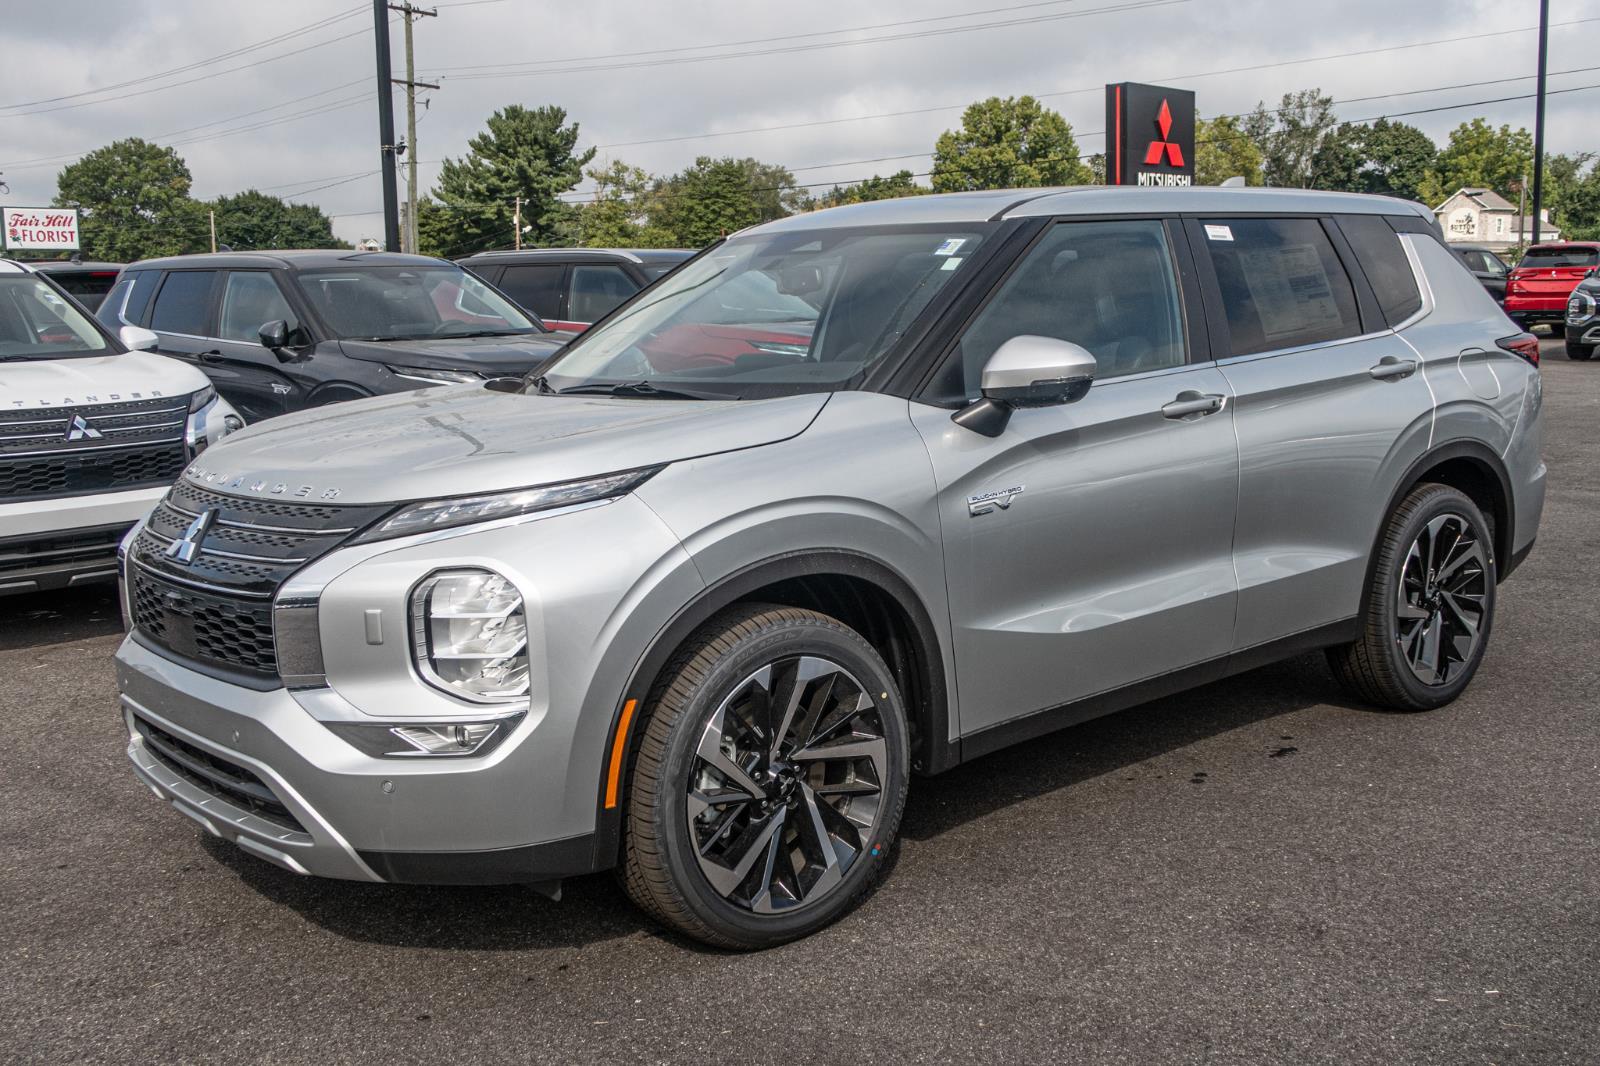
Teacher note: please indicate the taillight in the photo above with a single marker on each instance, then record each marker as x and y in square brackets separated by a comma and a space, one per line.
[1523, 344]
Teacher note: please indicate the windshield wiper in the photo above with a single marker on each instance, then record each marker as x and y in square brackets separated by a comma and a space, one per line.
[487, 333]
[642, 389]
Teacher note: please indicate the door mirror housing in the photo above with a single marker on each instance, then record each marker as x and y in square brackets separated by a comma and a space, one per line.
[1027, 371]
[276, 337]
[137, 338]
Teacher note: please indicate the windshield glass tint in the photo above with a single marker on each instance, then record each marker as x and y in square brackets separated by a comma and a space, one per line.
[1560, 257]
[36, 323]
[407, 303]
[772, 314]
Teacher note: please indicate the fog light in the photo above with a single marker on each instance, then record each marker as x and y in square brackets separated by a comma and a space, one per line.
[470, 636]
[446, 739]
[389, 740]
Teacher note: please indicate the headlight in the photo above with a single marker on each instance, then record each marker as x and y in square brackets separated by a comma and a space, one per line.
[463, 510]
[1580, 308]
[434, 377]
[470, 636]
[210, 419]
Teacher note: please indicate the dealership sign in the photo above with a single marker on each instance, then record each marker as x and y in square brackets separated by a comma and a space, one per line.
[47, 228]
[1150, 135]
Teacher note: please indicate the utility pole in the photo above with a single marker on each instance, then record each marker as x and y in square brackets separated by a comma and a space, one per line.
[213, 215]
[1538, 122]
[516, 223]
[386, 145]
[411, 14]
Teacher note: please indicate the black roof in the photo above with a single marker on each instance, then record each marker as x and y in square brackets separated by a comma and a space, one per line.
[60, 266]
[295, 259]
[593, 255]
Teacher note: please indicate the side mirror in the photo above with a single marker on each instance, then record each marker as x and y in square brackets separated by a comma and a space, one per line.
[1027, 371]
[276, 337]
[137, 338]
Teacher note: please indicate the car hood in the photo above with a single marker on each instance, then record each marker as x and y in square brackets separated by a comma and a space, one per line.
[464, 440]
[111, 378]
[486, 355]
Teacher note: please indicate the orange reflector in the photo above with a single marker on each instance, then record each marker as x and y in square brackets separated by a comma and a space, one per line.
[618, 746]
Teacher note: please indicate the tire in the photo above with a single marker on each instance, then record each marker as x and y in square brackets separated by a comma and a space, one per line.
[1419, 645]
[1581, 352]
[1558, 330]
[682, 851]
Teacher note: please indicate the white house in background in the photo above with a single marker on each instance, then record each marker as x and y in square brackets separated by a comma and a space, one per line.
[369, 244]
[1483, 216]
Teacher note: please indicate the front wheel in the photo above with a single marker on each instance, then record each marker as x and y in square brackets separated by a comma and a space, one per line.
[770, 779]
[1428, 606]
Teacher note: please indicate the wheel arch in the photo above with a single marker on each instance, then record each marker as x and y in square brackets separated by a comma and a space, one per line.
[1473, 468]
[862, 592]
[336, 392]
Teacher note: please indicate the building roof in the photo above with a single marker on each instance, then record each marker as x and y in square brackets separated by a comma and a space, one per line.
[992, 205]
[298, 258]
[1487, 199]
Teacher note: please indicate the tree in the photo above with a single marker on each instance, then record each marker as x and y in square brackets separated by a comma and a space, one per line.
[618, 216]
[1572, 193]
[900, 183]
[1480, 156]
[134, 201]
[714, 197]
[523, 153]
[1222, 150]
[253, 220]
[1399, 157]
[1290, 136]
[1010, 143]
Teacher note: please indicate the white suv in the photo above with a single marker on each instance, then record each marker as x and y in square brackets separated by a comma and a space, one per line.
[92, 433]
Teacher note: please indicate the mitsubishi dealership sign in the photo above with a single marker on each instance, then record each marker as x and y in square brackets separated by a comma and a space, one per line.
[44, 228]
[1149, 135]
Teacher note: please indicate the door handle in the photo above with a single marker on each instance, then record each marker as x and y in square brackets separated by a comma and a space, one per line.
[213, 356]
[1193, 404]
[1390, 368]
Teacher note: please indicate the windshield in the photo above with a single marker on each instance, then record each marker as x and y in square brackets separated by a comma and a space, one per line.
[36, 323]
[1560, 257]
[410, 302]
[770, 314]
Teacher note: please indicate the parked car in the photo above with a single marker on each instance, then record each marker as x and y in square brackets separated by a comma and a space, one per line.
[92, 434]
[1486, 266]
[1583, 319]
[282, 331]
[1538, 286]
[87, 282]
[1028, 457]
[571, 288]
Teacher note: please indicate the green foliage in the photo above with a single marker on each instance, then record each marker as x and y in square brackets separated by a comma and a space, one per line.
[135, 202]
[901, 183]
[1478, 155]
[1290, 136]
[527, 153]
[618, 217]
[252, 220]
[1223, 150]
[715, 197]
[1011, 143]
[1572, 193]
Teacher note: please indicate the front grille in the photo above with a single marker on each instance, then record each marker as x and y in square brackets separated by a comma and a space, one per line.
[223, 778]
[216, 610]
[77, 549]
[69, 451]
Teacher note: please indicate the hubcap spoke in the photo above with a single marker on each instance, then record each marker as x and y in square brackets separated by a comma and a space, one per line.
[1440, 602]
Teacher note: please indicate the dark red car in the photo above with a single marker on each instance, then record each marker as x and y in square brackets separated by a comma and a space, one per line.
[1537, 289]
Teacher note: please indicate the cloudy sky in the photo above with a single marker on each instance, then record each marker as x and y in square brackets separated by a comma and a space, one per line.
[279, 96]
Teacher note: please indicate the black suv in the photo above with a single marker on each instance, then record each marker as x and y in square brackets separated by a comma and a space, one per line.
[1486, 266]
[573, 288]
[281, 331]
[88, 282]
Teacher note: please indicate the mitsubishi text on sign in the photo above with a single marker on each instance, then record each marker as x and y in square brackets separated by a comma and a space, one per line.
[1149, 135]
[48, 228]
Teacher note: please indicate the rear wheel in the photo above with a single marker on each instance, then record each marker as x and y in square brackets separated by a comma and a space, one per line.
[1428, 607]
[770, 779]
[1580, 352]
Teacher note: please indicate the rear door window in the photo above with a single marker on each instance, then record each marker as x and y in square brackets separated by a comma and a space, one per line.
[184, 303]
[537, 288]
[1380, 254]
[596, 289]
[1282, 284]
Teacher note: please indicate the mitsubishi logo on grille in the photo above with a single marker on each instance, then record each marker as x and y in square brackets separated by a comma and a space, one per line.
[1162, 146]
[78, 429]
[184, 548]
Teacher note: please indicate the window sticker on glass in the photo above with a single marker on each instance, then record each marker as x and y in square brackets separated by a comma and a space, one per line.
[1218, 233]
[951, 264]
[951, 246]
[1291, 290]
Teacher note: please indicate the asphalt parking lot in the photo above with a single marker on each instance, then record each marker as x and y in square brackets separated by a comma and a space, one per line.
[1254, 872]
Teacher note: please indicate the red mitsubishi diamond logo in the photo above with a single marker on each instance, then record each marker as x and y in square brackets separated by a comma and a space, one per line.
[1162, 146]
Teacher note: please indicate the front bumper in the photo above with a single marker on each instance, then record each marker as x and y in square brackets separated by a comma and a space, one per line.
[68, 541]
[205, 746]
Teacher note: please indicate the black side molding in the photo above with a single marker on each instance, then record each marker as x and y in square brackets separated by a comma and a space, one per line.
[528, 864]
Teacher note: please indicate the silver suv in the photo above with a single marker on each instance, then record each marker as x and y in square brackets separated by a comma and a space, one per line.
[852, 496]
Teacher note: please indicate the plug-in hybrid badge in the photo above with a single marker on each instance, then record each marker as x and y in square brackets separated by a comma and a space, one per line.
[985, 502]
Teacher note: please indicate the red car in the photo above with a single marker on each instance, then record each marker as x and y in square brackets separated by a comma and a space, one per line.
[1537, 289]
